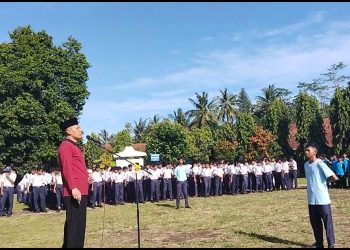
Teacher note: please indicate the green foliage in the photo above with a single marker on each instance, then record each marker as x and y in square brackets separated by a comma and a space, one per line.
[225, 150]
[204, 112]
[121, 140]
[92, 152]
[226, 104]
[168, 139]
[140, 130]
[180, 117]
[244, 128]
[309, 122]
[40, 85]
[200, 144]
[340, 118]
[243, 102]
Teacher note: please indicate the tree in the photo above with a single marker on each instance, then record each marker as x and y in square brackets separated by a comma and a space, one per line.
[105, 137]
[244, 127]
[121, 140]
[226, 103]
[292, 137]
[40, 85]
[204, 112]
[200, 144]
[270, 94]
[225, 150]
[180, 117]
[243, 102]
[309, 122]
[262, 144]
[340, 118]
[92, 152]
[168, 139]
[140, 130]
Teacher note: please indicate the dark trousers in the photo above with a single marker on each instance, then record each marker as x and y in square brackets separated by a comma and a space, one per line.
[259, 183]
[74, 227]
[181, 189]
[206, 181]
[233, 184]
[139, 191]
[238, 183]
[278, 180]
[7, 197]
[39, 192]
[167, 187]
[250, 181]
[319, 213]
[268, 181]
[97, 193]
[59, 195]
[293, 174]
[218, 186]
[155, 189]
[244, 183]
[119, 193]
[285, 181]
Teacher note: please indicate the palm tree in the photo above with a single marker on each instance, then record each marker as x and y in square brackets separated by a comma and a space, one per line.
[269, 95]
[204, 112]
[226, 104]
[180, 117]
[105, 137]
[155, 120]
[139, 130]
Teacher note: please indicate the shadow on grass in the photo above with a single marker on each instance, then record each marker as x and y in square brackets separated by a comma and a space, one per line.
[272, 239]
[166, 205]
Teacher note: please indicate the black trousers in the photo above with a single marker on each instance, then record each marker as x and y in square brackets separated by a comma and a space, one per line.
[319, 213]
[74, 227]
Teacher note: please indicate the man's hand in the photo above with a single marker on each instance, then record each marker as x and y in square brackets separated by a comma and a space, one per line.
[76, 194]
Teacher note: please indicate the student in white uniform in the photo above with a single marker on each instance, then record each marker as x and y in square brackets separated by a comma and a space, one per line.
[7, 191]
[58, 189]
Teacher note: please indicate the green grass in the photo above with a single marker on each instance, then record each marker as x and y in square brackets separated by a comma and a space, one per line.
[277, 219]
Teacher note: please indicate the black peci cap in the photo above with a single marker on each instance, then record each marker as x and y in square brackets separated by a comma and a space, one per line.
[68, 123]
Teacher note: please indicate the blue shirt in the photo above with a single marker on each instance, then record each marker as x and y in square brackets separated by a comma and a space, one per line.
[339, 168]
[316, 175]
[180, 173]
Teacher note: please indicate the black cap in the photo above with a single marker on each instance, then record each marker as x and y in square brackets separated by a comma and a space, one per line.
[68, 123]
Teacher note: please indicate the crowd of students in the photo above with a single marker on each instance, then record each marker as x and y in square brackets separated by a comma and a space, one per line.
[41, 190]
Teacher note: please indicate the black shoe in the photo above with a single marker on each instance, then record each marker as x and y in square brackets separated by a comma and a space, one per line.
[314, 245]
[331, 246]
[8, 215]
[37, 211]
[187, 206]
[45, 210]
[177, 207]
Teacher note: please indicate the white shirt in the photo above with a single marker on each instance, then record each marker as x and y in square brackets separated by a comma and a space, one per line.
[37, 180]
[243, 169]
[47, 178]
[97, 176]
[218, 172]
[118, 178]
[285, 167]
[278, 167]
[258, 170]
[231, 169]
[58, 179]
[195, 169]
[167, 173]
[6, 182]
[207, 172]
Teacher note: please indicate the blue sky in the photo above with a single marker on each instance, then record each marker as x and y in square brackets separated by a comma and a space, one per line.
[149, 58]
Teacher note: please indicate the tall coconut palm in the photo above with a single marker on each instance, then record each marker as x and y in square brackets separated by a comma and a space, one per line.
[226, 104]
[180, 117]
[204, 112]
[269, 95]
[139, 130]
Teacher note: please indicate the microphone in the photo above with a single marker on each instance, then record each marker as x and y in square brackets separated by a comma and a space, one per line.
[93, 139]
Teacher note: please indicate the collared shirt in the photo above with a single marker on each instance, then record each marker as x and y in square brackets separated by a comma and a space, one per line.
[218, 172]
[180, 173]
[118, 177]
[6, 182]
[37, 180]
[285, 166]
[316, 175]
[278, 167]
[207, 172]
[167, 173]
[231, 169]
[243, 169]
[258, 170]
[195, 169]
[58, 179]
[97, 176]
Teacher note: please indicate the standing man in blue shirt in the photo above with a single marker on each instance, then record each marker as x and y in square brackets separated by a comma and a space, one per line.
[181, 184]
[317, 174]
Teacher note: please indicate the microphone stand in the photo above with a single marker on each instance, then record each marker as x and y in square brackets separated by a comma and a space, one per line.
[136, 187]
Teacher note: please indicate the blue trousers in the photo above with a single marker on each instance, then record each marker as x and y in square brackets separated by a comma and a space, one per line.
[206, 186]
[218, 186]
[97, 193]
[119, 193]
[319, 214]
[293, 174]
[167, 187]
[59, 195]
[139, 193]
[39, 193]
[181, 189]
[233, 184]
[155, 189]
[8, 196]
[259, 183]
[244, 183]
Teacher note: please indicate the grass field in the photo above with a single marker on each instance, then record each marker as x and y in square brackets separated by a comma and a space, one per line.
[277, 219]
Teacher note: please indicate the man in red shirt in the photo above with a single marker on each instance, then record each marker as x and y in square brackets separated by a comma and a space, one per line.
[75, 184]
